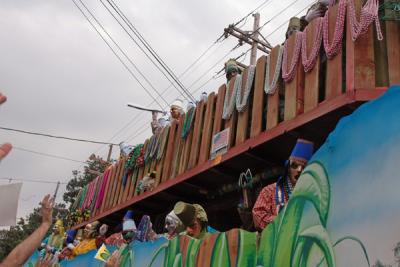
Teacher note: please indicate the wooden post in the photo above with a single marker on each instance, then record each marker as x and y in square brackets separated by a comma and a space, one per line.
[360, 66]
[169, 152]
[243, 117]
[110, 190]
[258, 98]
[219, 107]
[197, 132]
[106, 189]
[178, 148]
[127, 188]
[393, 48]
[207, 129]
[272, 115]
[311, 79]
[187, 144]
[294, 90]
[334, 66]
[256, 25]
[232, 121]
[121, 187]
[119, 183]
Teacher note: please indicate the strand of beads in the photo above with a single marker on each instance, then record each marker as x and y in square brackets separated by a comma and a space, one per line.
[309, 62]
[288, 75]
[241, 102]
[369, 14]
[229, 102]
[269, 88]
[163, 142]
[335, 47]
[188, 122]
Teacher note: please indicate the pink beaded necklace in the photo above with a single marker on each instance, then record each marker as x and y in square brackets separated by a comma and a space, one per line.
[369, 14]
[336, 46]
[309, 62]
[288, 75]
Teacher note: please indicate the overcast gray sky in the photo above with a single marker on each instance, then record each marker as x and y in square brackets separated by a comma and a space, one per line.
[60, 77]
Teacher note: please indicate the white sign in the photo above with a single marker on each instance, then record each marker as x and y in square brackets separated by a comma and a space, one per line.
[220, 143]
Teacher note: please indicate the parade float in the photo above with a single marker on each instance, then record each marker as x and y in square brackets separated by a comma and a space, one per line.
[328, 84]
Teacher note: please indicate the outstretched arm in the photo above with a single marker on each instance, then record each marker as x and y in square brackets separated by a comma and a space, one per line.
[4, 148]
[20, 254]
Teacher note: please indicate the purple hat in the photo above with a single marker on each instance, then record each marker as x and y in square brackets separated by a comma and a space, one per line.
[303, 150]
[128, 215]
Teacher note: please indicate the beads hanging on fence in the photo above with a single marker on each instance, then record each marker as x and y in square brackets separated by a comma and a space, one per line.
[188, 122]
[229, 102]
[242, 102]
[309, 62]
[269, 88]
[335, 47]
[368, 14]
[288, 75]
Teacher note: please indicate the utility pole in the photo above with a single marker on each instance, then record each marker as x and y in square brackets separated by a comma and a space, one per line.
[55, 193]
[250, 37]
[109, 153]
[256, 24]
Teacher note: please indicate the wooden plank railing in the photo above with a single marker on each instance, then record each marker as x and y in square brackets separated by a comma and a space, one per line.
[357, 66]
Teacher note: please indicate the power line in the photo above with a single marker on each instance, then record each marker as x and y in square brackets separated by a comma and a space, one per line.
[30, 180]
[47, 155]
[286, 21]
[251, 12]
[149, 48]
[56, 136]
[276, 15]
[213, 66]
[144, 52]
[122, 51]
[115, 53]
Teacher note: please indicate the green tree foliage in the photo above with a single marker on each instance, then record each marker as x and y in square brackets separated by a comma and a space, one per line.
[10, 238]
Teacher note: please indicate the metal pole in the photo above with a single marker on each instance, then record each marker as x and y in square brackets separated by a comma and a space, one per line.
[55, 193]
[253, 56]
[109, 153]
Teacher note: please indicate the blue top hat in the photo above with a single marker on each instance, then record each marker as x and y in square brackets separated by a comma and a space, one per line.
[128, 215]
[303, 150]
[70, 236]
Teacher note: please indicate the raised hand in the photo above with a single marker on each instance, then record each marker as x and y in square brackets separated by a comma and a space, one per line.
[47, 209]
[4, 150]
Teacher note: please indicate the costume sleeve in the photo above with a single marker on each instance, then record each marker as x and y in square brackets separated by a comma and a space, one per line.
[154, 122]
[264, 210]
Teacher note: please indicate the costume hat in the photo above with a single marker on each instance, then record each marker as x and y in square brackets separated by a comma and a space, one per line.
[302, 151]
[128, 215]
[177, 104]
[294, 22]
[70, 236]
[185, 212]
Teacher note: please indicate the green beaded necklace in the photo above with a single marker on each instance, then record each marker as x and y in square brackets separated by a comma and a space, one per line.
[187, 123]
